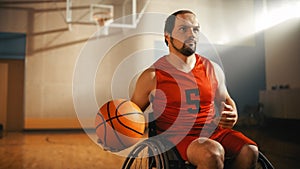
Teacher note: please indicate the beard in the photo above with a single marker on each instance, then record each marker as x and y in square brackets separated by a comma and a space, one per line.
[186, 50]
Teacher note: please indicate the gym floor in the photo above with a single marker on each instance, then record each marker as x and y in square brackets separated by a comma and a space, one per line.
[279, 141]
[73, 149]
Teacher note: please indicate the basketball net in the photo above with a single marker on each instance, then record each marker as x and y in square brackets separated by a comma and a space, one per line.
[102, 20]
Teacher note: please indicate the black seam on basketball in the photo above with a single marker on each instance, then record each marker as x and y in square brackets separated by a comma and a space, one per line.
[108, 112]
[116, 115]
[103, 120]
[127, 126]
[121, 115]
[124, 115]
[104, 126]
[110, 120]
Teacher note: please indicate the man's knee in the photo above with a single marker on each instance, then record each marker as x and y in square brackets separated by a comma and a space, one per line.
[206, 152]
[247, 157]
[250, 151]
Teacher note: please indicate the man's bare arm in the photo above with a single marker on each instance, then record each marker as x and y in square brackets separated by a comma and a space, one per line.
[144, 85]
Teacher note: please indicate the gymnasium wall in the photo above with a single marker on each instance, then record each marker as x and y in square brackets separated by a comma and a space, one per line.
[51, 53]
[52, 50]
[283, 54]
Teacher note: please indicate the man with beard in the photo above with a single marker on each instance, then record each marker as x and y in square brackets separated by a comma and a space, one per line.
[184, 88]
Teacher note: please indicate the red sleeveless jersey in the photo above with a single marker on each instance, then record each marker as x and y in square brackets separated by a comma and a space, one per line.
[184, 102]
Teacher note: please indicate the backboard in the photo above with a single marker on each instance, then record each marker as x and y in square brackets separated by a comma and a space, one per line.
[105, 12]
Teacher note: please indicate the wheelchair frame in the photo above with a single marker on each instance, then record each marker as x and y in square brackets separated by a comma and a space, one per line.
[159, 156]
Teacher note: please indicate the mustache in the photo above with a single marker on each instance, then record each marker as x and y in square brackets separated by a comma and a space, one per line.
[191, 40]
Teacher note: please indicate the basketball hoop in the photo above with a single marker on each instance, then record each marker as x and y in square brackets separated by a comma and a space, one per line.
[102, 20]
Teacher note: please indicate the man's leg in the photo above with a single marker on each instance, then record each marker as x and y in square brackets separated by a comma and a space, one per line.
[247, 158]
[206, 154]
[241, 152]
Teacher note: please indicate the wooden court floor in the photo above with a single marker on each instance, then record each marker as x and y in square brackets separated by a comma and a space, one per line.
[54, 150]
[75, 150]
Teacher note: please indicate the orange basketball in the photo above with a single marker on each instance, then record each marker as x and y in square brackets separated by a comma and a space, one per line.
[119, 124]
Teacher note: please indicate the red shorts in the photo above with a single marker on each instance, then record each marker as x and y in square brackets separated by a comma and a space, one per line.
[231, 140]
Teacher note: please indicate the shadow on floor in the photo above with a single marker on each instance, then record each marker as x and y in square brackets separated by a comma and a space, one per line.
[279, 140]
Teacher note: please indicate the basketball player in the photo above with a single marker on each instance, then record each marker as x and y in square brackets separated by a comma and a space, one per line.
[184, 86]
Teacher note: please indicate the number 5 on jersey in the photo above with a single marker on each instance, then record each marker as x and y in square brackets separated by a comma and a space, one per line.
[190, 94]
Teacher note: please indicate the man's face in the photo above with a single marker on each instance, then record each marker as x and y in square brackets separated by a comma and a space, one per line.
[185, 34]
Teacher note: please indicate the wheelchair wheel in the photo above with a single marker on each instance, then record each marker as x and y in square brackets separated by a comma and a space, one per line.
[150, 154]
[263, 162]
[146, 155]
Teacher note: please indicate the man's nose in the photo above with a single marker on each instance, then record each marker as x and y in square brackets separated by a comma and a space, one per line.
[191, 33]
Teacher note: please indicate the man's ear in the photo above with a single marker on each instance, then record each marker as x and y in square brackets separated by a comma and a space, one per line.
[167, 37]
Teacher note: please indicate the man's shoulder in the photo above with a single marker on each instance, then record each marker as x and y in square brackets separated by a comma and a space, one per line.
[150, 70]
[149, 73]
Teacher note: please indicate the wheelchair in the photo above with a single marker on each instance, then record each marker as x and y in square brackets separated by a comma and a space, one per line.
[157, 153]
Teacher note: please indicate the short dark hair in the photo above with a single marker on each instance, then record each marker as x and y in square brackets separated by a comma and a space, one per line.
[170, 21]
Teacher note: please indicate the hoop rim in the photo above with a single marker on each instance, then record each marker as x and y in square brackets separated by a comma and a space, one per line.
[102, 15]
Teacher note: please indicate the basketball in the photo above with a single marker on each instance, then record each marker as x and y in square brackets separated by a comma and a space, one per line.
[119, 124]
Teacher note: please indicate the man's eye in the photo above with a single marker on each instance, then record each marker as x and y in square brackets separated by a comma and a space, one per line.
[183, 29]
[196, 30]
